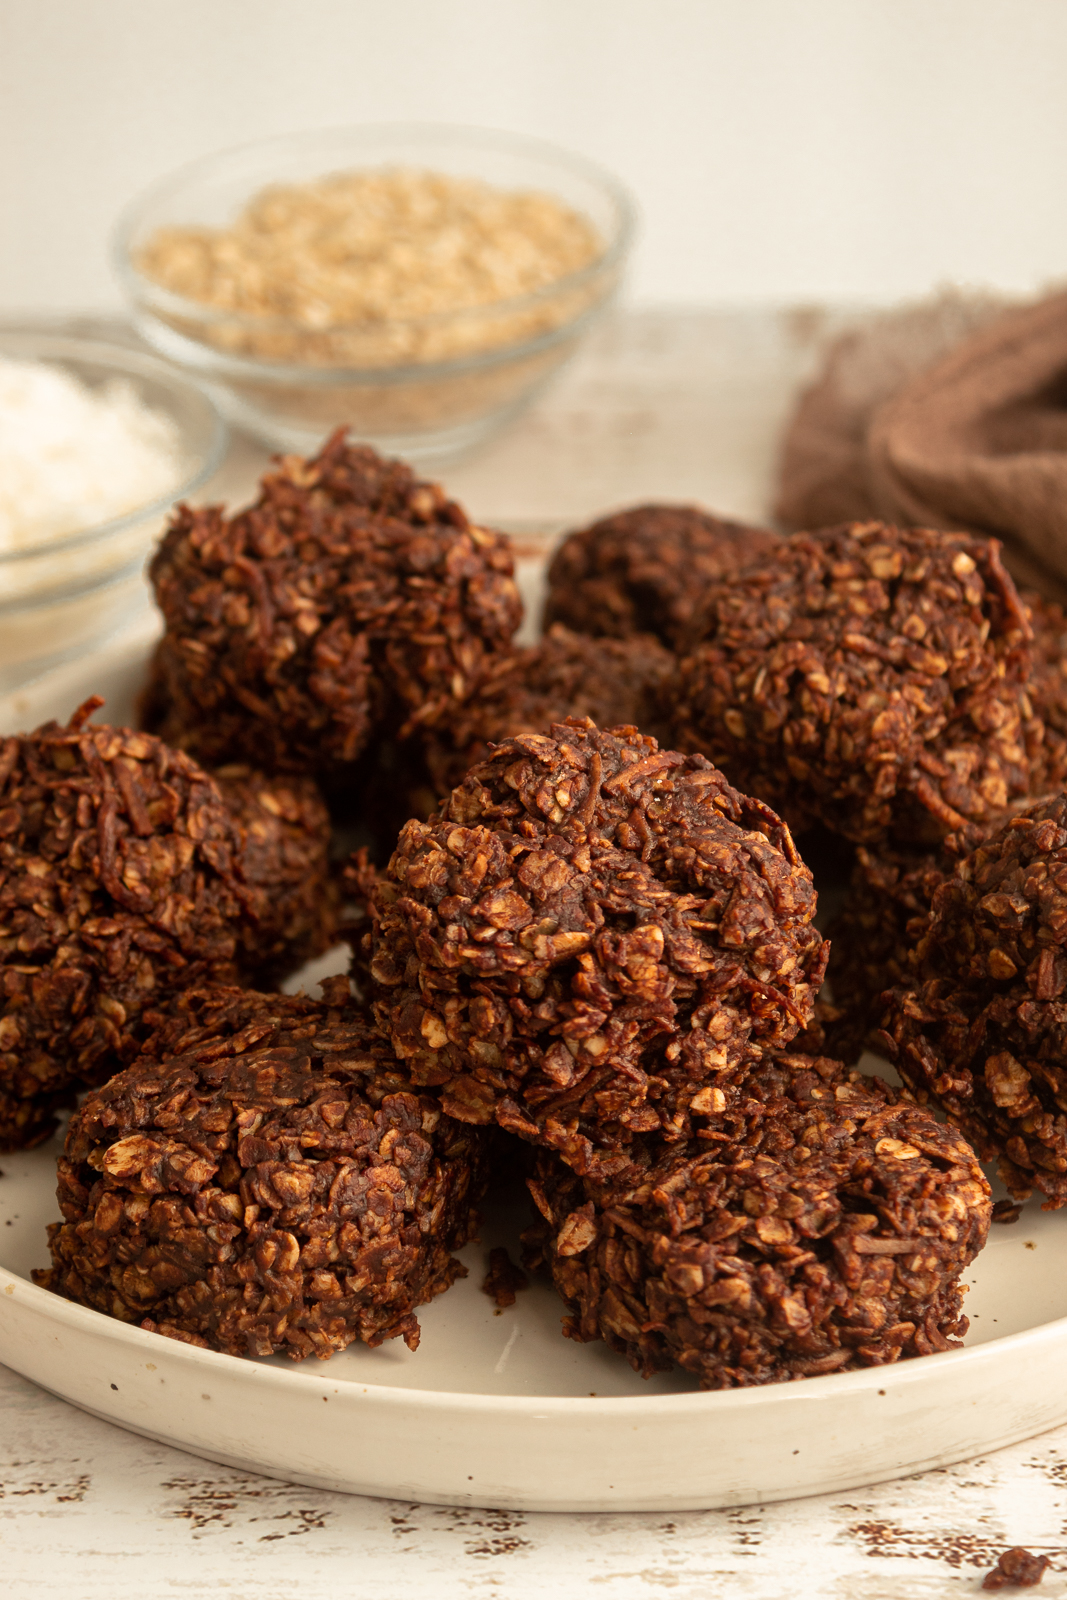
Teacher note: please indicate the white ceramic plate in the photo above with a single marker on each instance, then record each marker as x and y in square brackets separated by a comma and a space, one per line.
[497, 1408]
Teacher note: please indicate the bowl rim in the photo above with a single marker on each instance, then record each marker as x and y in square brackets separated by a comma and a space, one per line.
[143, 290]
[222, 366]
[124, 361]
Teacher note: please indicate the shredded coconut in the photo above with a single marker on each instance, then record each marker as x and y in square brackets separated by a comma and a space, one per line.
[72, 456]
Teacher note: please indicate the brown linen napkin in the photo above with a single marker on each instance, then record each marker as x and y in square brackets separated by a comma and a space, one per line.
[974, 438]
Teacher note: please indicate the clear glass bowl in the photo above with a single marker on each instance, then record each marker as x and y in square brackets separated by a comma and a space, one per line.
[61, 597]
[386, 380]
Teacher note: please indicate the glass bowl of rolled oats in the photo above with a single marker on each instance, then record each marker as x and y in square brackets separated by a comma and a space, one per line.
[417, 283]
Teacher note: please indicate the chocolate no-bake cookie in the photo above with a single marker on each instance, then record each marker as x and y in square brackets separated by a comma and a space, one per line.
[125, 877]
[1047, 691]
[874, 937]
[981, 1029]
[611, 681]
[645, 570]
[285, 858]
[350, 599]
[870, 678]
[588, 933]
[262, 1180]
[815, 1224]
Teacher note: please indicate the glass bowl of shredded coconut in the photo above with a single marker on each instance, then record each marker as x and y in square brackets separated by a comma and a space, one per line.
[97, 442]
[419, 284]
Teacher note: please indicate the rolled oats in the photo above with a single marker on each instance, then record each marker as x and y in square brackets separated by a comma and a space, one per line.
[380, 268]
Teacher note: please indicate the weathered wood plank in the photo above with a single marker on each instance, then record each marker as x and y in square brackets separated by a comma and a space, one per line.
[89, 1511]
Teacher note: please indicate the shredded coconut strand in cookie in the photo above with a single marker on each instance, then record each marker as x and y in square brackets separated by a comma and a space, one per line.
[72, 456]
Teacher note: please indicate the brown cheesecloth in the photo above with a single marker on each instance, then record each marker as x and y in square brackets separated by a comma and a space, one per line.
[976, 439]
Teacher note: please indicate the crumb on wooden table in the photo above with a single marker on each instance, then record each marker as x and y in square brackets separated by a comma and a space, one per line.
[1016, 1569]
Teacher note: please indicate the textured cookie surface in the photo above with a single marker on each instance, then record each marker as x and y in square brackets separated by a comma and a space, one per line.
[263, 1181]
[812, 1225]
[350, 597]
[981, 1030]
[567, 674]
[645, 570]
[120, 881]
[870, 678]
[587, 933]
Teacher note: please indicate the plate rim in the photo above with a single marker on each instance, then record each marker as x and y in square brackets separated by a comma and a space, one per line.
[896, 1374]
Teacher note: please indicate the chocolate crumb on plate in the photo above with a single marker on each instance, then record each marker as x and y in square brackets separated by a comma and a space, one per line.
[503, 1279]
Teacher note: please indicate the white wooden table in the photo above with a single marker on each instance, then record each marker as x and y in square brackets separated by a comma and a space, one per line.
[661, 405]
[92, 1513]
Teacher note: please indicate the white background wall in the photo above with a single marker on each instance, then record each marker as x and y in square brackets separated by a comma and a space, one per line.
[779, 149]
